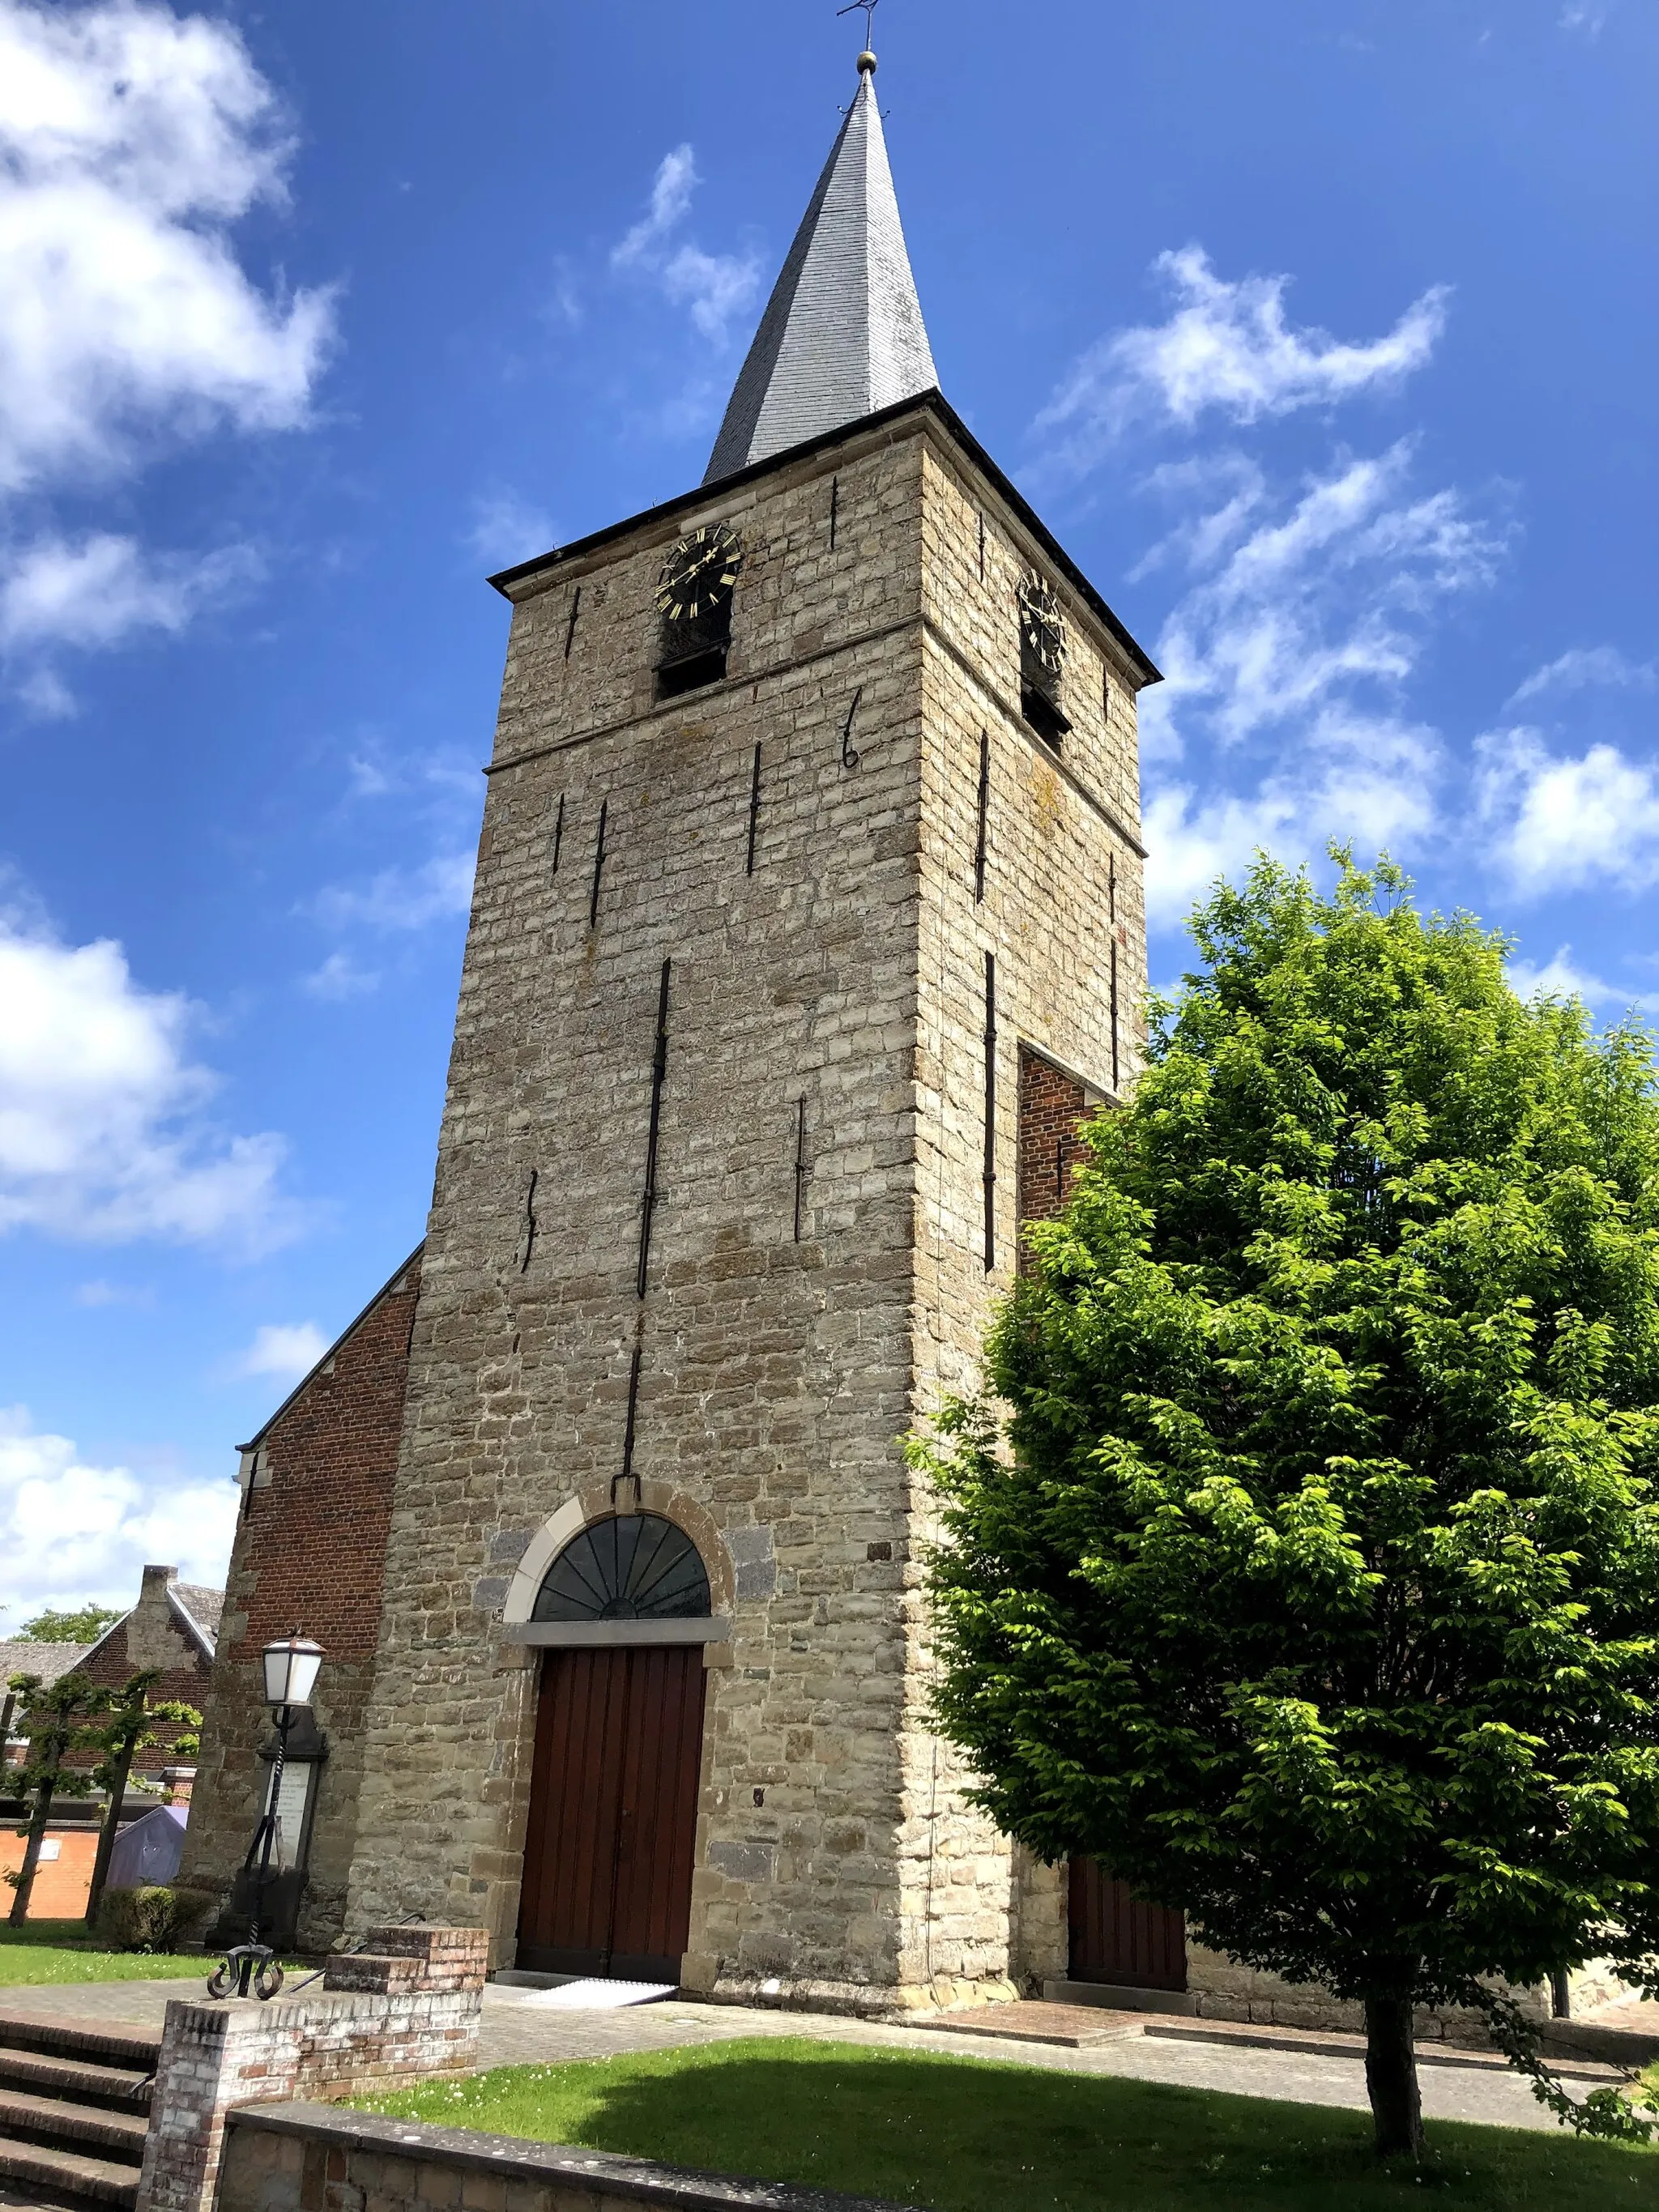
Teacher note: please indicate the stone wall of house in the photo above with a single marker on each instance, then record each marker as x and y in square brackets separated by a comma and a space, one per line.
[152, 1637]
[309, 1553]
[836, 1861]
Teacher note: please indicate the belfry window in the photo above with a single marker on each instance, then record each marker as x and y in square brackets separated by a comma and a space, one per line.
[636, 1567]
[694, 598]
[1041, 660]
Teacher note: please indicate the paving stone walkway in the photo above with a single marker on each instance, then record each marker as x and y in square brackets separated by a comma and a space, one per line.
[518, 2030]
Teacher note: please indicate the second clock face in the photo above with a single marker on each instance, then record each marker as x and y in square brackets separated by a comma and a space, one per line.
[1042, 626]
[700, 572]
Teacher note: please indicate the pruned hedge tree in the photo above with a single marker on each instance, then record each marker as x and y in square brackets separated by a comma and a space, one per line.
[1307, 1574]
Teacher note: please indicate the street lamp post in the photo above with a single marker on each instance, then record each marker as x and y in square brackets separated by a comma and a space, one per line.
[291, 1675]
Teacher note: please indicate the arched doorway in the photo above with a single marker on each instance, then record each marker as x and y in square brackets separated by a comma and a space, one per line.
[613, 1807]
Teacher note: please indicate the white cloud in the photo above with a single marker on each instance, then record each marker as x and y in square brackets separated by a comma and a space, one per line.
[1373, 782]
[1585, 666]
[139, 1295]
[71, 1533]
[671, 201]
[100, 590]
[340, 979]
[402, 898]
[1227, 347]
[1294, 610]
[285, 1350]
[103, 1130]
[1586, 16]
[1557, 823]
[714, 287]
[130, 140]
[1561, 977]
[505, 528]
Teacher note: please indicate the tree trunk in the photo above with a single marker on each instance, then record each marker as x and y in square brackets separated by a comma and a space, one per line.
[107, 1834]
[1391, 2077]
[34, 1836]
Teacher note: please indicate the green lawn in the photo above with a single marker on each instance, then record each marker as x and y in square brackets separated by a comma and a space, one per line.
[61, 1951]
[968, 2135]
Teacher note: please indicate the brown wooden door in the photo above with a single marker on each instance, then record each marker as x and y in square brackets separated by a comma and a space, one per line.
[1117, 1938]
[613, 1814]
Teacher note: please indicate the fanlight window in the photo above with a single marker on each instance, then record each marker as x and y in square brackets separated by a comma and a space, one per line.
[635, 1567]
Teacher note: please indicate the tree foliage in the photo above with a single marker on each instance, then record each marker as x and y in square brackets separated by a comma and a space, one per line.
[84, 1625]
[1309, 1579]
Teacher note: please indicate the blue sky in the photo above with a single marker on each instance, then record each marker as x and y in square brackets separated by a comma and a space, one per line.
[1323, 334]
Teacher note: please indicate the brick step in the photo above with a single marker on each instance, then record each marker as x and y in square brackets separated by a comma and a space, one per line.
[74, 2082]
[103, 2046]
[64, 2126]
[67, 2176]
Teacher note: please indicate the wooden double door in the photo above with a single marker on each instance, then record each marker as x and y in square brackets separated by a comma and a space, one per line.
[613, 1813]
[1117, 1937]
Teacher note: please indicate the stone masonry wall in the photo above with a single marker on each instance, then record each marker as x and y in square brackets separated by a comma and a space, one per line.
[411, 2009]
[152, 1637]
[1061, 890]
[309, 1552]
[836, 1861]
[774, 1373]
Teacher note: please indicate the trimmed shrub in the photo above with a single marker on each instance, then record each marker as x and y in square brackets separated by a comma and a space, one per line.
[141, 1919]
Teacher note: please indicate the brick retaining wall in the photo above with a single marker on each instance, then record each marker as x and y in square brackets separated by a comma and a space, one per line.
[409, 2008]
[307, 2157]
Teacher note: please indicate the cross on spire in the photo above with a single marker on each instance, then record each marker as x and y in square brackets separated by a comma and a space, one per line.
[869, 7]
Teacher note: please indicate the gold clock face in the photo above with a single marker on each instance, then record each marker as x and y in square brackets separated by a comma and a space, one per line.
[699, 573]
[1041, 624]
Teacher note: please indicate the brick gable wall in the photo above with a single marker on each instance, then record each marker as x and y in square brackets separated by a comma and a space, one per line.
[310, 1553]
[1052, 1104]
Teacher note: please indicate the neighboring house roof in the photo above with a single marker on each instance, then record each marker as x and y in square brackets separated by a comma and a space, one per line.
[199, 1610]
[48, 1661]
[842, 336]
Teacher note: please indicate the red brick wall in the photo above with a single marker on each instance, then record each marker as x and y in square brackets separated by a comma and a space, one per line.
[1051, 1105]
[310, 1553]
[311, 1548]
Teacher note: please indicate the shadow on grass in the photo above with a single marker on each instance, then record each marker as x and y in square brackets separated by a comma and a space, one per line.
[971, 2136]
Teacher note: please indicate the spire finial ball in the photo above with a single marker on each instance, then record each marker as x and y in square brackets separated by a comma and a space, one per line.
[866, 64]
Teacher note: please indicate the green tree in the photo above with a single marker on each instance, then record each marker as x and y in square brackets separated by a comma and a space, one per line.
[56, 1717]
[85, 1624]
[128, 1728]
[1308, 1577]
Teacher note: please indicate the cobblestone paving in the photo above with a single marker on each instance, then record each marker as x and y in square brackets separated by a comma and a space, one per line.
[517, 2031]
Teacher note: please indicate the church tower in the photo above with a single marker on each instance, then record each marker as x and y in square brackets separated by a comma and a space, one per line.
[808, 920]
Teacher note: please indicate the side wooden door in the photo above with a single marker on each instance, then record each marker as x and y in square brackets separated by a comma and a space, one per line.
[1118, 1938]
[613, 1813]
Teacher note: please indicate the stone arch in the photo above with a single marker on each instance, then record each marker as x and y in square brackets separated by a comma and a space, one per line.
[586, 1507]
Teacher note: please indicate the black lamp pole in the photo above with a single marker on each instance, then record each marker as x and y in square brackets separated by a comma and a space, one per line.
[290, 1672]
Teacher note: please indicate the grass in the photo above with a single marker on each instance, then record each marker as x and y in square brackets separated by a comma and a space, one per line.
[971, 2136]
[43, 1951]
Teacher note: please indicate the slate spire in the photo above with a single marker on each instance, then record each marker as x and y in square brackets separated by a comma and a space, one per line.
[843, 335]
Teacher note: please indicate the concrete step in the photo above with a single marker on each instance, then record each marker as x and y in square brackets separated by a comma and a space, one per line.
[64, 2126]
[102, 2046]
[67, 2176]
[74, 2082]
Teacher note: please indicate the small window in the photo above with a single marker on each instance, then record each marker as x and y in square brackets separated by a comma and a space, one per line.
[636, 1567]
